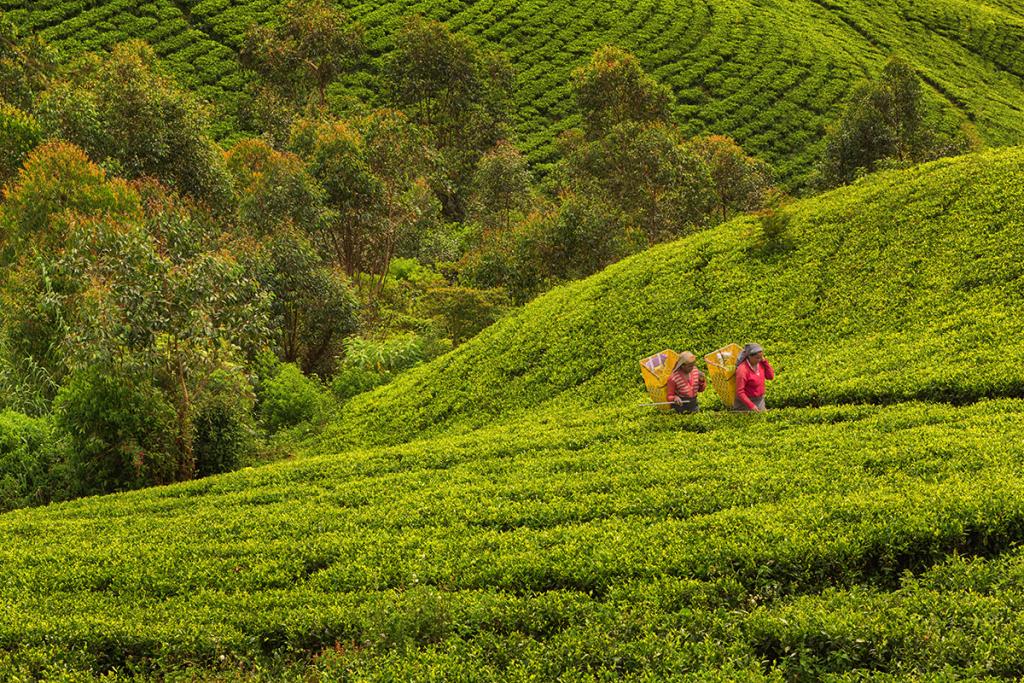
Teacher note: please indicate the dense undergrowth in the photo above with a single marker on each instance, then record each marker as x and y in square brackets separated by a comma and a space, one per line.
[523, 519]
[899, 287]
[771, 75]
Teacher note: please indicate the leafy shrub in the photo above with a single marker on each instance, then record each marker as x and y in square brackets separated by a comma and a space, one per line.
[464, 311]
[120, 431]
[350, 380]
[58, 176]
[30, 462]
[387, 355]
[223, 425]
[19, 134]
[287, 397]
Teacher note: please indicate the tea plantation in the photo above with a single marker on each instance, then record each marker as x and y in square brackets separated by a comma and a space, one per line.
[520, 518]
[900, 287]
[770, 74]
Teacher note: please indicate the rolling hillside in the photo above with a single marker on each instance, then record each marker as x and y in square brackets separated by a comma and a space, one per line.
[572, 536]
[899, 287]
[772, 74]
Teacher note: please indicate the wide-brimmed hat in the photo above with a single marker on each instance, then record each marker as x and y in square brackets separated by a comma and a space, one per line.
[686, 358]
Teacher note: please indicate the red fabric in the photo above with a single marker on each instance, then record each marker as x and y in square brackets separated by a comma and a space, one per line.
[685, 385]
[750, 381]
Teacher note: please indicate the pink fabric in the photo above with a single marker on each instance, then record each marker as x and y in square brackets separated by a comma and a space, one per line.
[685, 385]
[750, 381]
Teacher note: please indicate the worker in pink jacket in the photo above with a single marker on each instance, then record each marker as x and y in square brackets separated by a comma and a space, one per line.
[685, 383]
[752, 369]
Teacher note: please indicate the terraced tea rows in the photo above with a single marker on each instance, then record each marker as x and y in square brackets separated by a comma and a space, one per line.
[614, 544]
[772, 75]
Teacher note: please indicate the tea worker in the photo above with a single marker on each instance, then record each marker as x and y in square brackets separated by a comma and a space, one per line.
[685, 382]
[752, 369]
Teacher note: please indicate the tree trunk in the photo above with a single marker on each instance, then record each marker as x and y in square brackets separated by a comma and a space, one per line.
[187, 467]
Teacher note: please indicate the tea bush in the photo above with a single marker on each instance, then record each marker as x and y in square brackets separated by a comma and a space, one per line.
[771, 76]
[610, 544]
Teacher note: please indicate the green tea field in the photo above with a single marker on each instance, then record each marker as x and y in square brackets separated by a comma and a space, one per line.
[770, 74]
[508, 513]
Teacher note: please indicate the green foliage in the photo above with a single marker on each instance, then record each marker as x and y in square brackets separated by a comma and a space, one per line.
[351, 380]
[401, 160]
[648, 173]
[740, 183]
[135, 281]
[120, 431]
[123, 111]
[30, 460]
[224, 425]
[313, 307]
[336, 156]
[501, 187]
[25, 386]
[613, 89]
[19, 134]
[459, 90]
[885, 120]
[388, 355]
[308, 46]
[582, 236]
[287, 397]
[464, 311]
[26, 64]
[273, 187]
[59, 177]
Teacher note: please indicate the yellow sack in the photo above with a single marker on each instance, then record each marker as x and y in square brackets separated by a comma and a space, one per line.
[656, 370]
[722, 372]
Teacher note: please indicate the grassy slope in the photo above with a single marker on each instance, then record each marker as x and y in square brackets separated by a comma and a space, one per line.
[587, 539]
[901, 286]
[772, 74]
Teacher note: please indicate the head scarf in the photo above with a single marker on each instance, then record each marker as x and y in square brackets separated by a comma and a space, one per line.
[748, 350]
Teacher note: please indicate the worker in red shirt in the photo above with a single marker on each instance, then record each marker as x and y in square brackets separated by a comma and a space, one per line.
[752, 369]
[685, 382]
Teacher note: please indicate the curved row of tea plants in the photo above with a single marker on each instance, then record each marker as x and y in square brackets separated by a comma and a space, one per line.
[614, 544]
[905, 285]
[772, 76]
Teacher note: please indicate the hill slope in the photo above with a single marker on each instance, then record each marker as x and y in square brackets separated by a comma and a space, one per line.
[771, 74]
[902, 286]
[576, 537]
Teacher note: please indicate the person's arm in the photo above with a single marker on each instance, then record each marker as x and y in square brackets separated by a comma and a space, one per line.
[769, 371]
[701, 382]
[741, 385]
[671, 386]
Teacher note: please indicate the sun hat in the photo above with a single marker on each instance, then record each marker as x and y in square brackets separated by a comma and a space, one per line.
[685, 358]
